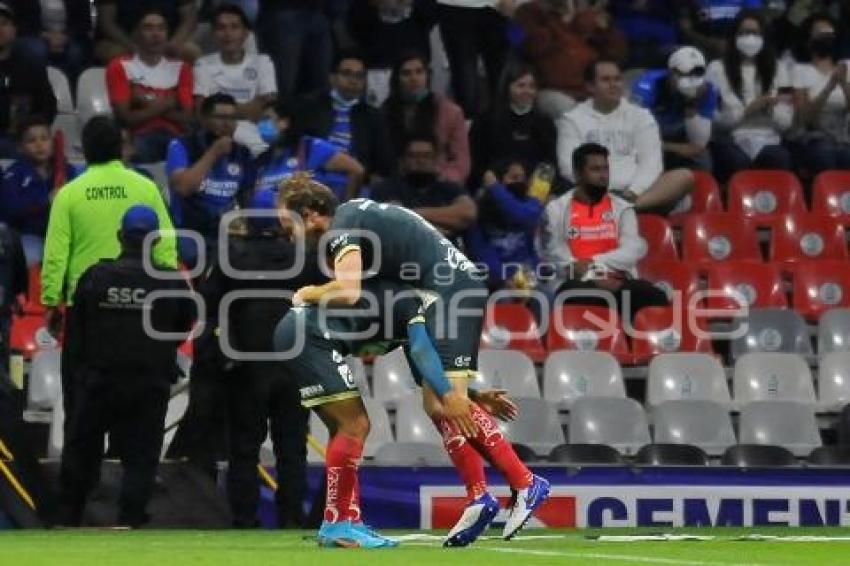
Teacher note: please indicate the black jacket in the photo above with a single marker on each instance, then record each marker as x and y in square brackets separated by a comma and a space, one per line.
[24, 90]
[14, 276]
[369, 136]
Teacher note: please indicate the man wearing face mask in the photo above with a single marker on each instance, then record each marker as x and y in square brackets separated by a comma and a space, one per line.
[208, 174]
[290, 151]
[442, 203]
[589, 240]
[683, 103]
[342, 117]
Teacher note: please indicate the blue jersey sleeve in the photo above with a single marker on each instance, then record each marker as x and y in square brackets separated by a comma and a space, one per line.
[177, 158]
[317, 153]
[645, 88]
[709, 102]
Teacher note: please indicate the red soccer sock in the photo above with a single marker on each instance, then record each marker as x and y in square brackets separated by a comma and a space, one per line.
[467, 462]
[342, 458]
[493, 445]
[354, 506]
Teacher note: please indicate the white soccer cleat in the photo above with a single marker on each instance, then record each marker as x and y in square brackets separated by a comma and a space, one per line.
[526, 501]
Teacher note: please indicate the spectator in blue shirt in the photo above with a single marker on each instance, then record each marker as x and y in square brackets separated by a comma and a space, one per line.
[208, 174]
[684, 104]
[706, 23]
[30, 183]
[290, 151]
[508, 216]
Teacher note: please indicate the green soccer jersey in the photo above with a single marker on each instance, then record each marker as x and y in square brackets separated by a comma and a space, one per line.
[84, 221]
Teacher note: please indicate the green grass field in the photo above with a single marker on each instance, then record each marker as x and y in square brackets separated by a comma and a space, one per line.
[537, 547]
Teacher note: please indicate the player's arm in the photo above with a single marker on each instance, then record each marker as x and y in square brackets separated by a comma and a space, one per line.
[455, 217]
[344, 289]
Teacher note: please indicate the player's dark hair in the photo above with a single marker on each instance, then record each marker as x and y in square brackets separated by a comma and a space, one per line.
[346, 54]
[213, 100]
[593, 67]
[501, 166]
[101, 140]
[232, 10]
[583, 152]
[301, 193]
[28, 122]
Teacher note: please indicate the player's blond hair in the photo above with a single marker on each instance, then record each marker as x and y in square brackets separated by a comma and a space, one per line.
[300, 193]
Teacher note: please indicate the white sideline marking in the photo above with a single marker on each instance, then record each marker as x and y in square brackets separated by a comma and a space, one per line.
[616, 557]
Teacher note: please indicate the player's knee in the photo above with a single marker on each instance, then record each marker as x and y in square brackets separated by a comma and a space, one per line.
[357, 427]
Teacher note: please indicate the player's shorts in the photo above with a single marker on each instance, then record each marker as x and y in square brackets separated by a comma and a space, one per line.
[454, 315]
[319, 366]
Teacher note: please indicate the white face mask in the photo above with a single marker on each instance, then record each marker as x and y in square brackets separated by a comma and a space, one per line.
[689, 86]
[749, 44]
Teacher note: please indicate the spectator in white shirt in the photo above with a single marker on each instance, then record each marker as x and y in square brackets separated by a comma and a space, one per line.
[631, 135]
[248, 77]
[755, 101]
[821, 95]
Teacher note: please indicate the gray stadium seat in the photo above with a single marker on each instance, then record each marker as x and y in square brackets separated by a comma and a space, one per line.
[582, 454]
[834, 331]
[508, 369]
[92, 96]
[772, 330]
[686, 376]
[671, 455]
[538, 426]
[757, 455]
[412, 454]
[830, 456]
[569, 375]
[789, 424]
[392, 378]
[772, 377]
[45, 381]
[620, 423]
[834, 381]
[380, 432]
[705, 424]
[61, 90]
[411, 422]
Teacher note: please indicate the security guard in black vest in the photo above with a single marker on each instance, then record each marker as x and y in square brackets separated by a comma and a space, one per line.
[261, 398]
[123, 345]
[13, 282]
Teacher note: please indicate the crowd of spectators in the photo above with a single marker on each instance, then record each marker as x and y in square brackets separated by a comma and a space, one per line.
[236, 95]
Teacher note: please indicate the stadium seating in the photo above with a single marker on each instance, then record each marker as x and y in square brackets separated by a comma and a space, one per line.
[588, 328]
[704, 198]
[412, 424]
[757, 456]
[708, 238]
[380, 432]
[538, 426]
[765, 196]
[689, 377]
[705, 424]
[45, 380]
[788, 424]
[735, 284]
[831, 195]
[807, 237]
[61, 90]
[512, 327]
[33, 304]
[834, 331]
[92, 96]
[830, 456]
[671, 455]
[819, 286]
[659, 330]
[569, 375]
[672, 277]
[834, 380]
[582, 454]
[770, 330]
[412, 454]
[510, 370]
[658, 234]
[23, 333]
[392, 378]
[614, 421]
[772, 376]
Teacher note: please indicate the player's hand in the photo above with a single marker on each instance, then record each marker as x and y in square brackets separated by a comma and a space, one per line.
[457, 409]
[497, 403]
[489, 179]
[53, 320]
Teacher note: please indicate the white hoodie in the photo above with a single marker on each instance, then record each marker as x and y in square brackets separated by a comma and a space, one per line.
[631, 135]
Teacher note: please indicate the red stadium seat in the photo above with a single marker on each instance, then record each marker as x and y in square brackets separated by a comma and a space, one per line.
[704, 198]
[765, 196]
[512, 327]
[657, 331]
[33, 304]
[820, 286]
[670, 276]
[831, 194]
[760, 284]
[22, 335]
[808, 236]
[708, 238]
[580, 327]
[658, 235]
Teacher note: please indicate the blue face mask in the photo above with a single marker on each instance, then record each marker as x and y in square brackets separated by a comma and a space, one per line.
[268, 130]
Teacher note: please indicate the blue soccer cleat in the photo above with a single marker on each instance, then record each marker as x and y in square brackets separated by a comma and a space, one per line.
[476, 517]
[346, 534]
[389, 543]
[526, 501]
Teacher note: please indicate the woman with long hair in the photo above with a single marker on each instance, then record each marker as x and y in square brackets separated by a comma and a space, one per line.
[413, 109]
[755, 100]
